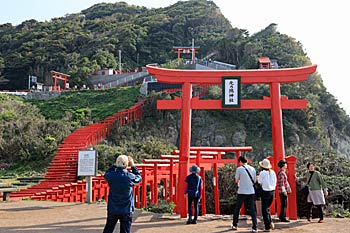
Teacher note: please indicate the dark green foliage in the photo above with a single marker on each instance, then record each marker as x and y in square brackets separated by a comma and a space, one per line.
[80, 44]
[107, 156]
[162, 207]
[28, 140]
[26, 137]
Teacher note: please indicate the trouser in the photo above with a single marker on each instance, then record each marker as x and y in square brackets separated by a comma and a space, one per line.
[266, 201]
[246, 198]
[112, 219]
[309, 211]
[195, 201]
[284, 202]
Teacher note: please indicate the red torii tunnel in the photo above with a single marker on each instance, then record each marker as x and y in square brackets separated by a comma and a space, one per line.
[275, 102]
[166, 169]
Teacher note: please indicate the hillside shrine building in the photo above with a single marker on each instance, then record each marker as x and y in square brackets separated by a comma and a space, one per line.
[231, 81]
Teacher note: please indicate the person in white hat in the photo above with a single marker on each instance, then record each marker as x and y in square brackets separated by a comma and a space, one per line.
[267, 179]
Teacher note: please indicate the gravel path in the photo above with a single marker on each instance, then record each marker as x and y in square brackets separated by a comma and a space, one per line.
[53, 217]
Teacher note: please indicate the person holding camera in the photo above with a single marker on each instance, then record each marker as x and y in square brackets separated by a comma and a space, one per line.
[120, 198]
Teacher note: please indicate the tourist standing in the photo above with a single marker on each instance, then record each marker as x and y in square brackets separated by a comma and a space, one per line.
[244, 176]
[120, 198]
[283, 189]
[317, 192]
[193, 191]
[267, 179]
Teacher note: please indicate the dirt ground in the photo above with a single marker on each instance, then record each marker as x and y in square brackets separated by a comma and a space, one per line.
[53, 217]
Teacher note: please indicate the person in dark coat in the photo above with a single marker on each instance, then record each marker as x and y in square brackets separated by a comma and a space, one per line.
[193, 191]
[120, 198]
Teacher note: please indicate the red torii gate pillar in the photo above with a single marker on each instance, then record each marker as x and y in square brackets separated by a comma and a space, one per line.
[275, 103]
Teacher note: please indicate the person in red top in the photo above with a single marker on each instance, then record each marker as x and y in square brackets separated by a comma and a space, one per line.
[283, 189]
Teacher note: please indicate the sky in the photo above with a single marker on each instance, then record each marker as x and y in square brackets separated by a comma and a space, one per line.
[320, 26]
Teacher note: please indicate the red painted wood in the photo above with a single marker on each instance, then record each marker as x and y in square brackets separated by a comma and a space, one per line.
[276, 103]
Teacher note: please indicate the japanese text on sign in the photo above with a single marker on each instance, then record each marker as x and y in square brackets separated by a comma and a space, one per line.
[231, 91]
[87, 163]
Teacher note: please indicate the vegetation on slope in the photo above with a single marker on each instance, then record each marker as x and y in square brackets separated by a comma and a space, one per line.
[95, 105]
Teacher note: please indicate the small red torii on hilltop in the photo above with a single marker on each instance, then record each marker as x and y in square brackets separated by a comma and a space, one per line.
[185, 49]
[275, 102]
[57, 75]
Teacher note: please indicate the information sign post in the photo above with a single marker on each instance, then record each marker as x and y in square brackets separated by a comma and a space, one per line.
[87, 166]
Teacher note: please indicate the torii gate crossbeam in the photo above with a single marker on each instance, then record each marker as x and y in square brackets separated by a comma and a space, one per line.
[275, 102]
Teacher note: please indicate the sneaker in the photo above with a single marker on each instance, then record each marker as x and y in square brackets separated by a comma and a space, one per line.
[194, 221]
[254, 230]
[284, 220]
[234, 228]
[320, 221]
[272, 226]
[188, 221]
[309, 219]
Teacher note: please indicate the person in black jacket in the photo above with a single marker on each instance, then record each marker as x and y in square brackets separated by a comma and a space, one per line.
[120, 198]
[193, 191]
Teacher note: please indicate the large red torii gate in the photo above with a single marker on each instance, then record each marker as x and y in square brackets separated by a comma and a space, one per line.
[275, 102]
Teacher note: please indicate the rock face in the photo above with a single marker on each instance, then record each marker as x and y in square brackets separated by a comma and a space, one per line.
[43, 95]
[215, 130]
[339, 143]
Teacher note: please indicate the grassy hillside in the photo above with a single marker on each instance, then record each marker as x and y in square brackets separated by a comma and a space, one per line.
[93, 104]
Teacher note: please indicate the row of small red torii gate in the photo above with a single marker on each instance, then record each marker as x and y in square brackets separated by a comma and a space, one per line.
[275, 103]
[165, 171]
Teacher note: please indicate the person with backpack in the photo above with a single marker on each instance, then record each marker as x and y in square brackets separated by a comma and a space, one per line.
[245, 178]
[193, 191]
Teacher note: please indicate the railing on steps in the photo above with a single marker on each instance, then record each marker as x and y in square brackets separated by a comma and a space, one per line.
[61, 176]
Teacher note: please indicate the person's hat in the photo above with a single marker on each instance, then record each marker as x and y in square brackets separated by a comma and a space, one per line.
[122, 161]
[281, 163]
[195, 169]
[265, 164]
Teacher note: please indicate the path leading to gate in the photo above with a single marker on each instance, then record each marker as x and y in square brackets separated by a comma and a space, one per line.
[54, 217]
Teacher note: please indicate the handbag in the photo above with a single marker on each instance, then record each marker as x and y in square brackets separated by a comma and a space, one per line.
[257, 187]
[305, 189]
[258, 190]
